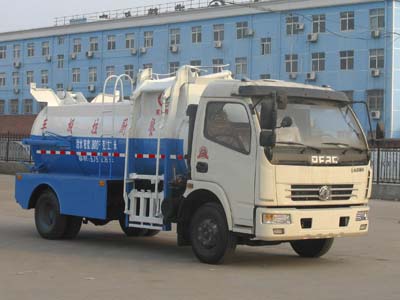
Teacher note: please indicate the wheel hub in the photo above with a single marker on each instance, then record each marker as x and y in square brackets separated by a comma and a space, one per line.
[207, 233]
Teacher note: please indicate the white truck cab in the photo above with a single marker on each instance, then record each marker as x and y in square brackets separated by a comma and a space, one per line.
[287, 162]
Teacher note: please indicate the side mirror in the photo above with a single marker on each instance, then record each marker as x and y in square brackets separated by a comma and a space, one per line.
[268, 115]
[286, 122]
[282, 101]
[267, 138]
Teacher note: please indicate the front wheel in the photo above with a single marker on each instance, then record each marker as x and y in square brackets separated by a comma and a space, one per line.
[49, 222]
[211, 239]
[312, 248]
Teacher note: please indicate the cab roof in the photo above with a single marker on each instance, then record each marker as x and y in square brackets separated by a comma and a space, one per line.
[251, 88]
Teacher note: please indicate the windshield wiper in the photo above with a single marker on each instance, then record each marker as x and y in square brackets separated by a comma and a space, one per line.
[347, 146]
[300, 144]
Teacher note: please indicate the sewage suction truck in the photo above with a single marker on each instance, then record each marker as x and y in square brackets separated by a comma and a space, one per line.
[229, 162]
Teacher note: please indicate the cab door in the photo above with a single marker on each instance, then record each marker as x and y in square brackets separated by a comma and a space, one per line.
[224, 153]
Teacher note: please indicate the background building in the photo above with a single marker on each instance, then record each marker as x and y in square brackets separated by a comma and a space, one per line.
[352, 46]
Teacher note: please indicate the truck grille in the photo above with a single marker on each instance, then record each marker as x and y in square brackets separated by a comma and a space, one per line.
[312, 192]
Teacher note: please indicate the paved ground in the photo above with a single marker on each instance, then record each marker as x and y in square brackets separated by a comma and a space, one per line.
[103, 264]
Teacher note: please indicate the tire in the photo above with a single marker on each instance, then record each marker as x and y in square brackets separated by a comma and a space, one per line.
[211, 239]
[50, 224]
[312, 248]
[131, 231]
[73, 227]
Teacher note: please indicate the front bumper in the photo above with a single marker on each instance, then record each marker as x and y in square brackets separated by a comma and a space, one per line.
[325, 223]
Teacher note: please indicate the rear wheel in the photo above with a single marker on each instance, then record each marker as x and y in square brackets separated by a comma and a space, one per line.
[312, 248]
[50, 224]
[73, 227]
[211, 239]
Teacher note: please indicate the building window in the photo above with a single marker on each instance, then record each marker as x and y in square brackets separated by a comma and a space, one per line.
[241, 66]
[94, 44]
[77, 45]
[60, 86]
[292, 63]
[219, 32]
[2, 79]
[14, 106]
[347, 21]
[60, 61]
[3, 52]
[148, 66]
[31, 49]
[92, 74]
[111, 44]
[318, 61]
[148, 39]
[375, 100]
[129, 70]
[318, 23]
[76, 75]
[110, 71]
[376, 59]
[17, 51]
[15, 77]
[174, 37]
[60, 40]
[265, 46]
[129, 41]
[29, 77]
[173, 67]
[265, 76]
[28, 106]
[347, 60]
[196, 34]
[45, 48]
[217, 64]
[292, 25]
[2, 107]
[377, 18]
[45, 77]
[241, 30]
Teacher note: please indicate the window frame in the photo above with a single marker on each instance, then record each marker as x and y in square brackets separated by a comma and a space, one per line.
[347, 18]
[197, 34]
[205, 135]
[242, 29]
[266, 45]
[292, 60]
[319, 23]
[318, 60]
[219, 32]
[377, 58]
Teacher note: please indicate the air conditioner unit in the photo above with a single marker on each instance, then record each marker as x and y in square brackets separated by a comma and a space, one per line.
[218, 44]
[312, 37]
[375, 72]
[300, 26]
[48, 58]
[292, 75]
[16, 91]
[174, 48]
[73, 55]
[133, 51]
[311, 76]
[69, 88]
[143, 50]
[92, 88]
[17, 64]
[89, 54]
[250, 32]
[375, 114]
[376, 33]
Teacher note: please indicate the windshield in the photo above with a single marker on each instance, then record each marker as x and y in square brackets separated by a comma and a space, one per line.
[318, 123]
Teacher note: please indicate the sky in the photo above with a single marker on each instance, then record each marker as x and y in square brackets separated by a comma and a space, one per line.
[27, 14]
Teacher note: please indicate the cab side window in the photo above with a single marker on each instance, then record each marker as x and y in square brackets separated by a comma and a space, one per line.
[228, 124]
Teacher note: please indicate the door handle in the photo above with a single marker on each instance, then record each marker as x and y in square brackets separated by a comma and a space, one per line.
[202, 167]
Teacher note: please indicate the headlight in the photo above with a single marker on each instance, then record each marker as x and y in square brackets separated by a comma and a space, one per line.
[276, 219]
[362, 215]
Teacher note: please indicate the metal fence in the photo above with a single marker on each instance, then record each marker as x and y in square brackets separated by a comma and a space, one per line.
[386, 165]
[12, 149]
